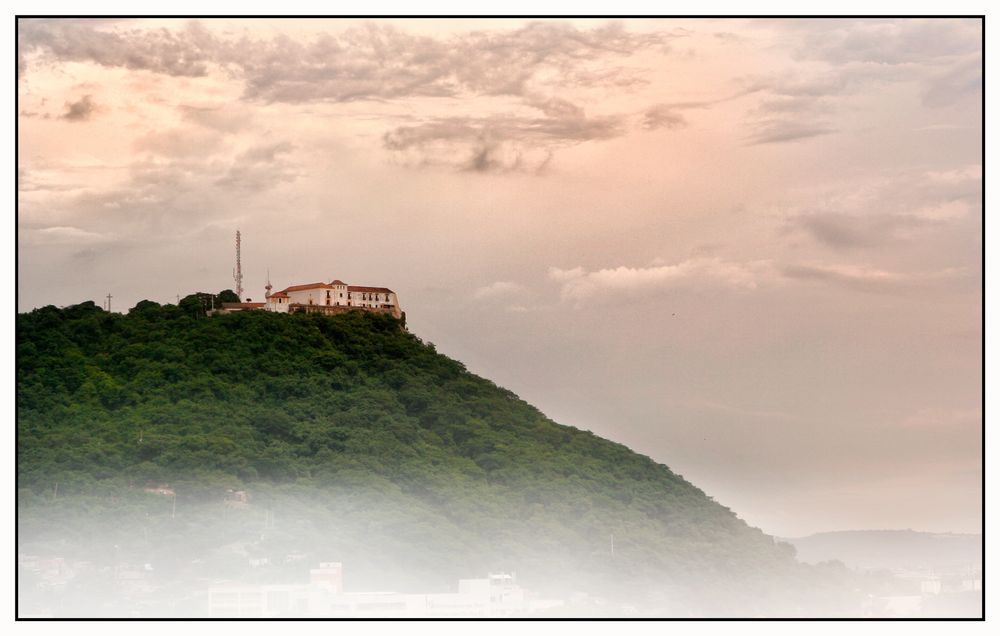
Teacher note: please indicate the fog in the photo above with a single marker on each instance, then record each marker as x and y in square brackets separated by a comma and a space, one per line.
[326, 554]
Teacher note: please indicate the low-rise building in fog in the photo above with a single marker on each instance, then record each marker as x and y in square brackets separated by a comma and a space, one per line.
[495, 596]
[329, 576]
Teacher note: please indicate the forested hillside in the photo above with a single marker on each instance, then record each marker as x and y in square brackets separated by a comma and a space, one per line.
[356, 442]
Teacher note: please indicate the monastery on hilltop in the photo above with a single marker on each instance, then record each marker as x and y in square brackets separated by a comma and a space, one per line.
[335, 297]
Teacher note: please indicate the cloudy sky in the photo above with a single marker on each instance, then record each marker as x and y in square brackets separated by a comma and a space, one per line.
[750, 249]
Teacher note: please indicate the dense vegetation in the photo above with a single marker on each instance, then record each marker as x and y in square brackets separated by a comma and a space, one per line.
[357, 443]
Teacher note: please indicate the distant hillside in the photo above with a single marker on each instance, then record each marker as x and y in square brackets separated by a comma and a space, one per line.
[892, 549]
[356, 442]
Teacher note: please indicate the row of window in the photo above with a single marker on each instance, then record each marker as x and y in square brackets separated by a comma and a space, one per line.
[371, 297]
[338, 303]
[364, 296]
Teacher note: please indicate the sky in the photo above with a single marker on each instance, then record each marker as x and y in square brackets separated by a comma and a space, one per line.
[748, 248]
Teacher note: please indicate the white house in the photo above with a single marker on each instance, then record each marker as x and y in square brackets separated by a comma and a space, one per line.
[333, 297]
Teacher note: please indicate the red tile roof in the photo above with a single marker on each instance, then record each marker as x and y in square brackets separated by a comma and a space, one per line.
[242, 305]
[295, 288]
[353, 288]
[361, 288]
[280, 294]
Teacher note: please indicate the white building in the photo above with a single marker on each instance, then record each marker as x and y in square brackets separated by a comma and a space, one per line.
[333, 297]
[494, 597]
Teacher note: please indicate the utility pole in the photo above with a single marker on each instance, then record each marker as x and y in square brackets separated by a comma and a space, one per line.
[109, 302]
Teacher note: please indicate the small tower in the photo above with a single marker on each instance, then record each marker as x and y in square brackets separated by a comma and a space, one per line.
[238, 272]
[267, 287]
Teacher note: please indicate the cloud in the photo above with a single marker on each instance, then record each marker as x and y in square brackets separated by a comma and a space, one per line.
[64, 235]
[846, 58]
[851, 231]
[374, 62]
[854, 277]
[80, 110]
[888, 42]
[815, 84]
[964, 175]
[792, 104]
[943, 419]
[499, 289]
[566, 275]
[31, 180]
[944, 211]
[867, 279]
[259, 168]
[183, 53]
[371, 62]
[159, 199]
[377, 62]
[227, 119]
[874, 211]
[783, 131]
[942, 56]
[501, 142]
[663, 116]
[578, 284]
[960, 81]
[727, 37]
[180, 142]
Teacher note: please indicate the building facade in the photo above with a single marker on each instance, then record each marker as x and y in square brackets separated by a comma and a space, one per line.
[333, 297]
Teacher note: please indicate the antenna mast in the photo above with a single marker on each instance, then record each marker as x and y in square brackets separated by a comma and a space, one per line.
[238, 272]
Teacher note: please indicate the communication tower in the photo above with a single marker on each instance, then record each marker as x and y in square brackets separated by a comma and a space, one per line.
[238, 272]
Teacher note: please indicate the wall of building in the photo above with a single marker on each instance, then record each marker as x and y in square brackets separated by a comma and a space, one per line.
[335, 296]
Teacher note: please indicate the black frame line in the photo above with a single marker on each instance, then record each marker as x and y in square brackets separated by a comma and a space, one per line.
[981, 17]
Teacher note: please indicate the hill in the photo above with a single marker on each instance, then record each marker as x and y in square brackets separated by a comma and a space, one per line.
[356, 442]
[893, 549]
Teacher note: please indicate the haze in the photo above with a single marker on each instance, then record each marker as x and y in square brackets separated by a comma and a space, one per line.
[751, 249]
